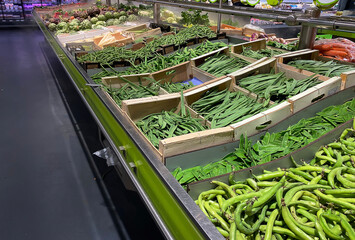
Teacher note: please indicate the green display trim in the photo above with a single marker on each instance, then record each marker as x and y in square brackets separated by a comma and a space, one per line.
[337, 33]
[171, 212]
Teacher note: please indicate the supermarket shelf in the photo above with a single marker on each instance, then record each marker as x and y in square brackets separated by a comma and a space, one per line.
[289, 17]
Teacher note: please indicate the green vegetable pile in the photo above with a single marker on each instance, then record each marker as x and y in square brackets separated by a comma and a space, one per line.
[224, 108]
[176, 87]
[94, 17]
[160, 62]
[194, 17]
[221, 65]
[259, 54]
[272, 146]
[328, 69]
[168, 124]
[133, 91]
[292, 46]
[310, 201]
[111, 54]
[276, 87]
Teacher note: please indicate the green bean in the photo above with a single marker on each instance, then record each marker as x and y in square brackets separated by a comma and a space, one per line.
[295, 229]
[223, 223]
[267, 196]
[270, 224]
[255, 226]
[332, 199]
[259, 54]
[276, 87]
[238, 199]
[329, 69]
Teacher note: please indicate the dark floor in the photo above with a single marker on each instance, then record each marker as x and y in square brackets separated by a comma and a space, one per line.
[47, 183]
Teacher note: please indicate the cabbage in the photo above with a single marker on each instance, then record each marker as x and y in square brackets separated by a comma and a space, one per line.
[167, 13]
[75, 21]
[108, 15]
[97, 26]
[86, 24]
[101, 17]
[122, 19]
[123, 13]
[62, 26]
[103, 23]
[94, 20]
[145, 13]
[110, 22]
[52, 27]
[116, 14]
[132, 18]
[116, 22]
[170, 20]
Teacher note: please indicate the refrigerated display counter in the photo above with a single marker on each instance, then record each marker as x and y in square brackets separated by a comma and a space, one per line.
[171, 206]
[173, 209]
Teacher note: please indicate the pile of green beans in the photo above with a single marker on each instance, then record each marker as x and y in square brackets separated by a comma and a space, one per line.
[223, 108]
[272, 146]
[310, 201]
[161, 62]
[111, 54]
[328, 69]
[166, 124]
[276, 87]
[259, 54]
[176, 87]
[221, 65]
[132, 91]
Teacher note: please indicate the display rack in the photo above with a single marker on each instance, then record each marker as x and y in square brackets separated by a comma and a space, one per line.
[12, 10]
[310, 19]
[173, 209]
[21, 10]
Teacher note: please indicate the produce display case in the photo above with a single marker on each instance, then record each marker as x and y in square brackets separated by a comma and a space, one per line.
[12, 10]
[172, 207]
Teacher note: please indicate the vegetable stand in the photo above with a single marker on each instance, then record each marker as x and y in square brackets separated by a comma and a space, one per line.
[149, 169]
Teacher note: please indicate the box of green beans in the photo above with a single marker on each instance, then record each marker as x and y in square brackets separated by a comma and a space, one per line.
[309, 62]
[163, 117]
[256, 50]
[221, 62]
[272, 80]
[136, 86]
[168, 81]
[176, 78]
[223, 104]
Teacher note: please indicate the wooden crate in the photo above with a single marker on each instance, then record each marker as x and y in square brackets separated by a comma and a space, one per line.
[258, 122]
[348, 78]
[196, 62]
[255, 46]
[121, 40]
[268, 65]
[285, 109]
[192, 95]
[279, 112]
[116, 82]
[229, 30]
[180, 73]
[137, 109]
[315, 93]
